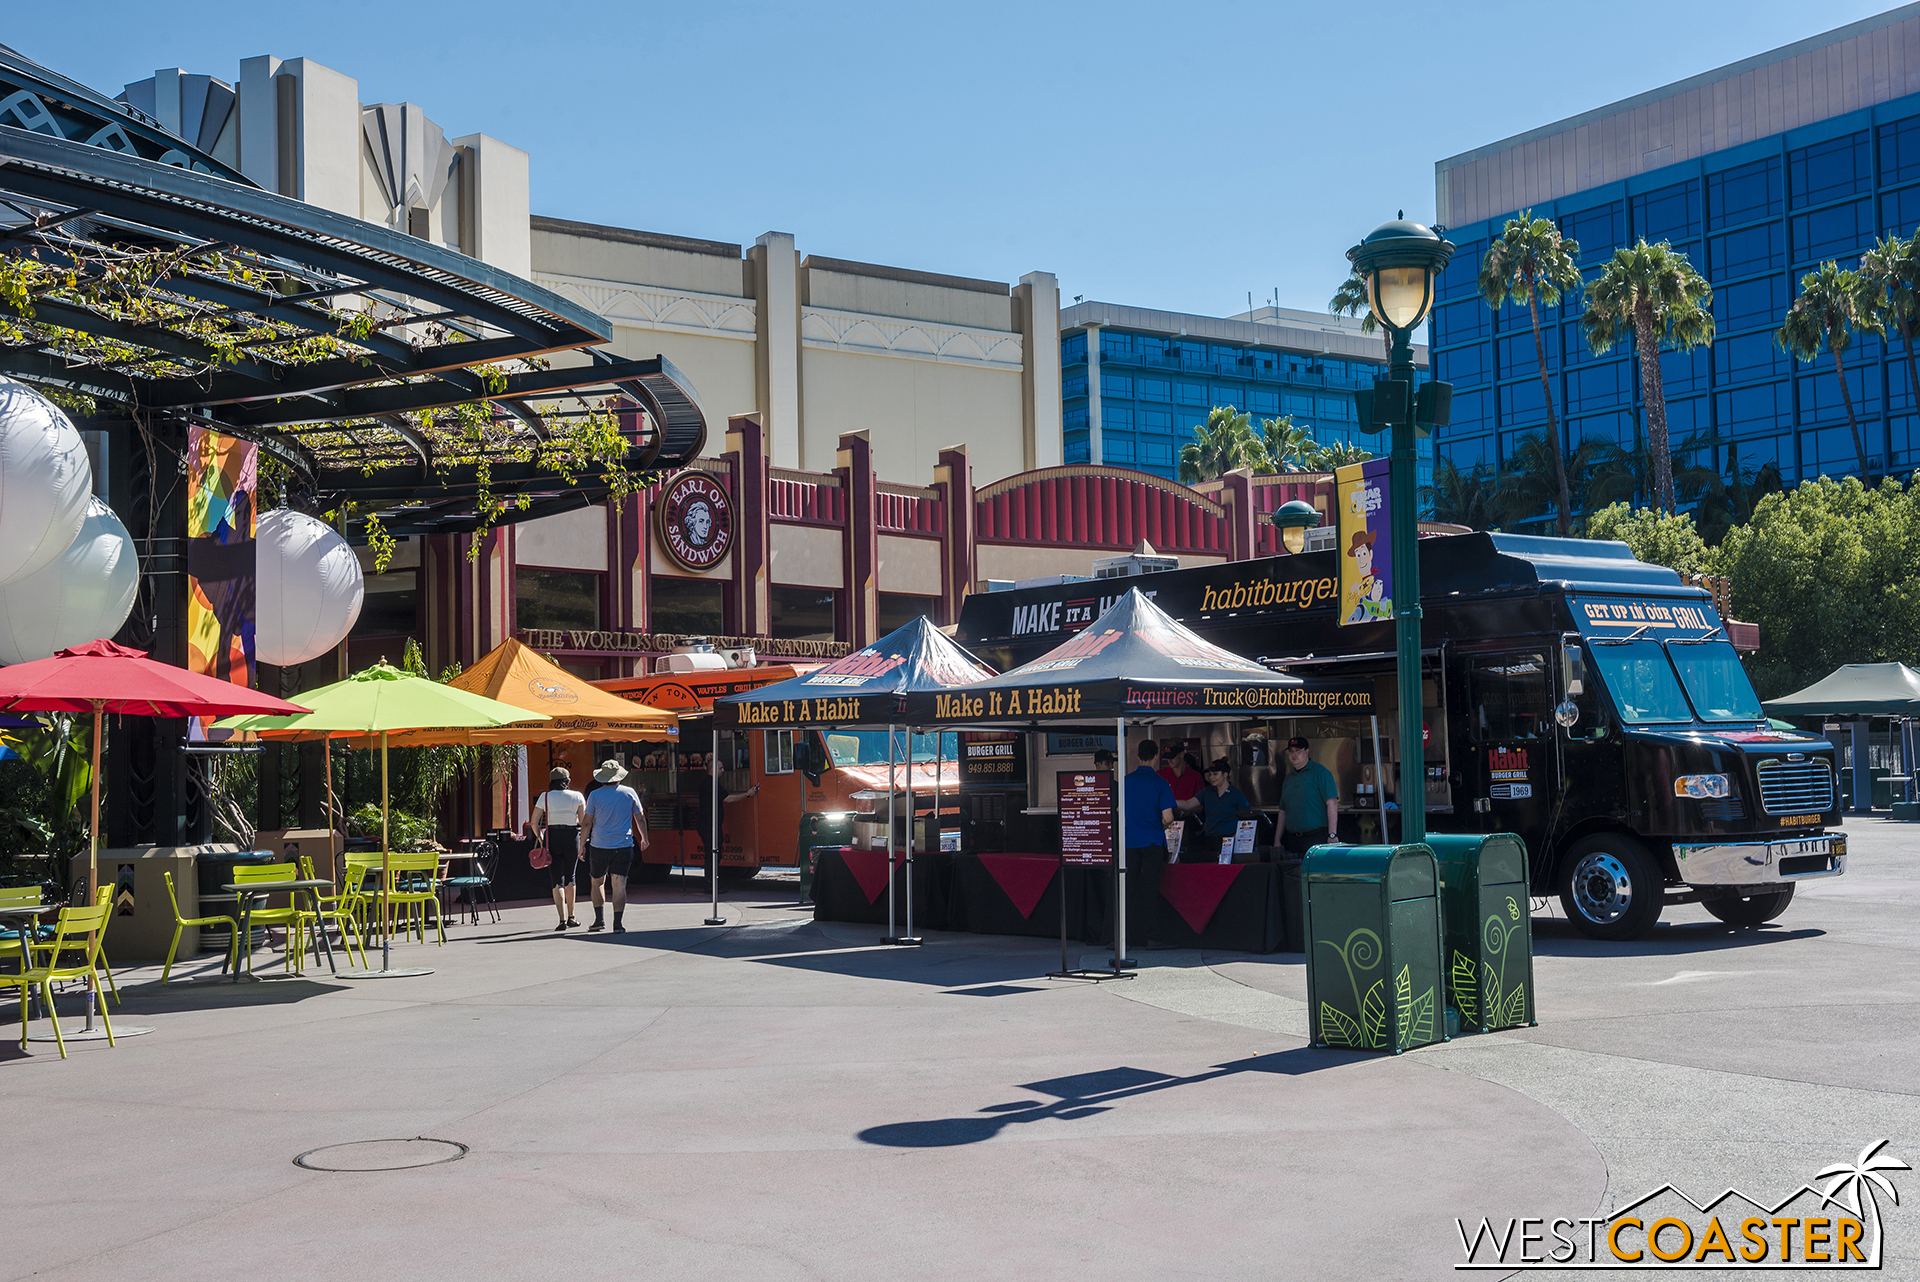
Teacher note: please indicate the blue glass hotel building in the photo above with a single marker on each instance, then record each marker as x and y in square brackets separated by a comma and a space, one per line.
[1759, 172]
[1134, 383]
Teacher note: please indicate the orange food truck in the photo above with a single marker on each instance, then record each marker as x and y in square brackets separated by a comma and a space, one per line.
[775, 778]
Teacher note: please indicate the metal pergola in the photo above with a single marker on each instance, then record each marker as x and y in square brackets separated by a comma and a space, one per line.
[376, 366]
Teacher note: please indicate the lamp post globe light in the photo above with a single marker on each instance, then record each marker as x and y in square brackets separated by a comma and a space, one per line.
[1293, 519]
[1399, 261]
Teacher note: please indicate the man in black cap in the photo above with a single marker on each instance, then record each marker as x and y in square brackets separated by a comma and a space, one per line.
[1309, 801]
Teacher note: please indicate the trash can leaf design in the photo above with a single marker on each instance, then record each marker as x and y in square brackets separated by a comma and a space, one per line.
[1489, 934]
[1374, 968]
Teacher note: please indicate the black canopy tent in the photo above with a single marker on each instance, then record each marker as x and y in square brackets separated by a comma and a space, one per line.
[1135, 665]
[864, 688]
[1859, 692]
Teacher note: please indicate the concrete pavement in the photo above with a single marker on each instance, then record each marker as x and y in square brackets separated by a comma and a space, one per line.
[780, 1099]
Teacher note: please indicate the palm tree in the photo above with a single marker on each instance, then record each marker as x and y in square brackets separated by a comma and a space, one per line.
[1225, 443]
[1461, 498]
[1287, 445]
[1832, 304]
[1324, 458]
[1351, 300]
[1531, 260]
[1854, 1182]
[1891, 270]
[1653, 294]
[1618, 475]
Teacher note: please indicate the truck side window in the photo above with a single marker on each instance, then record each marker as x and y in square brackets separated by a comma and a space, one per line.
[1508, 697]
[779, 752]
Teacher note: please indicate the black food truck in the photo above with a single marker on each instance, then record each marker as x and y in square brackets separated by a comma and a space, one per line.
[1589, 702]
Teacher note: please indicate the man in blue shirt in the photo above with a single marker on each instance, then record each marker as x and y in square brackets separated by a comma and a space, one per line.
[1150, 809]
[608, 826]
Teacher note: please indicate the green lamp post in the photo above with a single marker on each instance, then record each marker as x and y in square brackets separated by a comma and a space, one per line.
[1399, 262]
[1293, 519]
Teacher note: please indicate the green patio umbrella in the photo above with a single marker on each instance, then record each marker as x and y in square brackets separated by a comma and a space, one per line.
[378, 701]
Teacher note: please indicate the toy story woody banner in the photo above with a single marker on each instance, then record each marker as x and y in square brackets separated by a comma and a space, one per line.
[222, 475]
[1366, 542]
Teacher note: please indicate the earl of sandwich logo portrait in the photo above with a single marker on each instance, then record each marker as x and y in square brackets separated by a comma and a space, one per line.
[1831, 1226]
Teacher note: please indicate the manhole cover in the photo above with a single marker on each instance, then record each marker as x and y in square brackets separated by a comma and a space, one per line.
[381, 1155]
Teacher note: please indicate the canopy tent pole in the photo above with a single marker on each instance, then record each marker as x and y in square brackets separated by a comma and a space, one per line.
[1379, 784]
[1120, 849]
[713, 846]
[892, 783]
[909, 937]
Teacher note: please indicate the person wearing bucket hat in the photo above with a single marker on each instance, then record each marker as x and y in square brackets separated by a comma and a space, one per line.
[613, 823]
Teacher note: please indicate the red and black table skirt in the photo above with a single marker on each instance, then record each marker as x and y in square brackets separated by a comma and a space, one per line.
[1227, 907]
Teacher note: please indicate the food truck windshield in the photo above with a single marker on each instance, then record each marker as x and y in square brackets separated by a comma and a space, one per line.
[1655, 682]
[869, 747]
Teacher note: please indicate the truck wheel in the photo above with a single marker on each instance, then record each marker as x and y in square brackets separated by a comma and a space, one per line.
[1750, 910]
[734, 874]
[1610, 887]
[647, 874]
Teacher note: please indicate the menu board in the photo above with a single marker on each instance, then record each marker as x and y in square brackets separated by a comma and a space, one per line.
[1086, 817]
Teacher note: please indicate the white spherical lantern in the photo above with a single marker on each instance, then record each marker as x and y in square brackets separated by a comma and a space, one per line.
[45, 481]
[86, 594]
[308, 588]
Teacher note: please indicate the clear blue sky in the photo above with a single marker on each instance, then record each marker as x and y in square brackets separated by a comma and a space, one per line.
[1171, 155]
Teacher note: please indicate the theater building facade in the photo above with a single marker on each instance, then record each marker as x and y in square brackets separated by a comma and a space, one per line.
[795, 565]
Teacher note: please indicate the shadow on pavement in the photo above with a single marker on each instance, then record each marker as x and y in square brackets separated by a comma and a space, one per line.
[1088, 1094]
[1555, 938]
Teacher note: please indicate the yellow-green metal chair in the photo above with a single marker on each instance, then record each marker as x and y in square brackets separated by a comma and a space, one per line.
[338, 908]
[413, 882]
[181, 924]
[290, 918]
[78, 931]
[10, 938]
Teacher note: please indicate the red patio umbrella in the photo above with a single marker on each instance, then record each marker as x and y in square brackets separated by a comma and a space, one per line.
[102, 677]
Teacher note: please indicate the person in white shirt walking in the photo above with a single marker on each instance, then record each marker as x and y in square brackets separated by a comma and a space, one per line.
[556, 818]
[615, 824]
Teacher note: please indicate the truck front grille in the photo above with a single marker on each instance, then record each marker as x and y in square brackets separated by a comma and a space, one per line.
[1795, 787]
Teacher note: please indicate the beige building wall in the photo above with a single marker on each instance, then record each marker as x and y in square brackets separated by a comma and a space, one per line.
[909, 565]
[575, 540]
[912, 407]
[819, 347]
[806, 556]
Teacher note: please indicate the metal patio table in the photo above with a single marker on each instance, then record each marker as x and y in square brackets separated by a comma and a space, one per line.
[252, 892]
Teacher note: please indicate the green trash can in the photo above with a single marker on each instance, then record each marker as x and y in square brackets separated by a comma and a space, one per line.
[1489, 928]
[1373, 947]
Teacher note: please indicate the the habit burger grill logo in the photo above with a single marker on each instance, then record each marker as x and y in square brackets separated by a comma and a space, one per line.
[1507, 774]
[856, 669]
[1832, 1227]
[696, 520]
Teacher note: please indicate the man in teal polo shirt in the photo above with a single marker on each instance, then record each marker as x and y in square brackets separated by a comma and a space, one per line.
[1309, 801]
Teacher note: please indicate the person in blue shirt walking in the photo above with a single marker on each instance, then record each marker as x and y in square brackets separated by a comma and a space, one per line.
[1150, 811]
[612, 820]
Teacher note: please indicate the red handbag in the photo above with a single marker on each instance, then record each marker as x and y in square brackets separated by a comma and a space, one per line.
[540, 856]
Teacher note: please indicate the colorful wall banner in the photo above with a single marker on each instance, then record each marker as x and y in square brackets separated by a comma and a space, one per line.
[1366, 542]
[222, 477]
